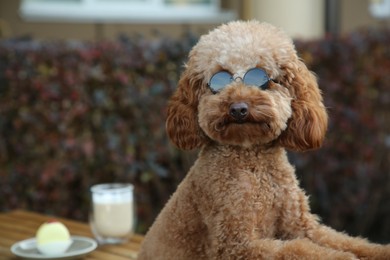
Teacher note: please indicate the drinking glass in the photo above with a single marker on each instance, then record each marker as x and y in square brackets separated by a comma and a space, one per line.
[112, 212]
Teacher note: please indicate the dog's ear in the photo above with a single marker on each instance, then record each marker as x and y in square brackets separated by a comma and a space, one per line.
[182, 115]
[309, 121]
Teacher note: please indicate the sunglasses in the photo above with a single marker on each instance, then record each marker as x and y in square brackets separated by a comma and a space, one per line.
[254, 77]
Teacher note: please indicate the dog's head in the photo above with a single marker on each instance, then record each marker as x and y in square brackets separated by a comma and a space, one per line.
[245, 85]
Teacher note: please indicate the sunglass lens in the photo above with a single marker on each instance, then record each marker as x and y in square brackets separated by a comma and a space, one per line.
[219, 80]
[256, 77]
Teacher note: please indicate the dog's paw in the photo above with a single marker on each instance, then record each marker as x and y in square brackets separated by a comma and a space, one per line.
[376, 252]
[381, 253]
[340, 255]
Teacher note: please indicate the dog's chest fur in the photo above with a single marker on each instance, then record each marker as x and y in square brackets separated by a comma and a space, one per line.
[252, 181]
[227, 191]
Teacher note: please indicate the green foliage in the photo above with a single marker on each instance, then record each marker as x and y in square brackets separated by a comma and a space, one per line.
[76, 114]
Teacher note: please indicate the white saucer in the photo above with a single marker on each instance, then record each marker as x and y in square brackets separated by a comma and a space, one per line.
[27, 249]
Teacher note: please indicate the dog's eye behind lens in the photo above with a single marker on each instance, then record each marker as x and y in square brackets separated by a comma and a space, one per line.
[219, 80]
[256, 77]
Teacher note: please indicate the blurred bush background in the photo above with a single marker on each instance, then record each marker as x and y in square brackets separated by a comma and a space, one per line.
[73, 114]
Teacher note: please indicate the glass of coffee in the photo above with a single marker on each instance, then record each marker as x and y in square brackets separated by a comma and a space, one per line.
[112, 212]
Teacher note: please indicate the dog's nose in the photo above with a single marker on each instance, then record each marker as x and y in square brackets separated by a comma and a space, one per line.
[239, 110]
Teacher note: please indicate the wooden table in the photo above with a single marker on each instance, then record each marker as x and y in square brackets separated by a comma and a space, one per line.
[19, 225]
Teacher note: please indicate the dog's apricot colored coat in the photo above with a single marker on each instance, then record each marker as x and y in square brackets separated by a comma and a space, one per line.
[241, 199]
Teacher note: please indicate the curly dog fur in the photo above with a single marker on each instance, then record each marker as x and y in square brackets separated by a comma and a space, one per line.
[241, 198]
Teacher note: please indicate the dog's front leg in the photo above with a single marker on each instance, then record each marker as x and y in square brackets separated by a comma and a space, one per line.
[233, 214]
[297, 221]
[360, 247]
[241, 243]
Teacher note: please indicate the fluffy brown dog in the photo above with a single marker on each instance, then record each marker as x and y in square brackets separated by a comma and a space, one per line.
[243, 98]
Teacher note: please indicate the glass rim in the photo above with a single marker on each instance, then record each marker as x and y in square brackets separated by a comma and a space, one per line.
[111, 187]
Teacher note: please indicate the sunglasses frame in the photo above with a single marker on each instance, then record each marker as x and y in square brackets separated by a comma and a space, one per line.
[231, 79]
